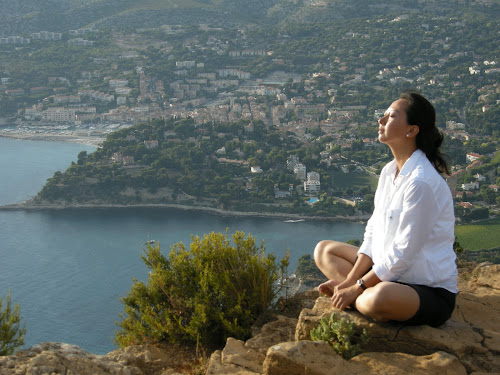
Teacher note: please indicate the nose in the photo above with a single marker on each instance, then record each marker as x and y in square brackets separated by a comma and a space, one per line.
[382, 120]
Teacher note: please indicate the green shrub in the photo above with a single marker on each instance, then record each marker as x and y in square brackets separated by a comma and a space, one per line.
[212, 291]
[341, 334]
[11, 332]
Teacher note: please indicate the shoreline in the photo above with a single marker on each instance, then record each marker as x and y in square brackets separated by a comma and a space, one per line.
[212, 210]
[51, 137]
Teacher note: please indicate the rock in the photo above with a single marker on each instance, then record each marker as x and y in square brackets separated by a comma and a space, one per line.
[415, 340]
[151, 359]
[217, 367]
[280, 330]
[57, 358]
[307, 357]
[238, 354]
[401, 363]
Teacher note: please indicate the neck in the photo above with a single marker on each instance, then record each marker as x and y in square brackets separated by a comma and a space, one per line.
[402, 154]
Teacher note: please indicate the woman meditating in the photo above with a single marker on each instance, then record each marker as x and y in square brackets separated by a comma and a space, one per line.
[405, 268]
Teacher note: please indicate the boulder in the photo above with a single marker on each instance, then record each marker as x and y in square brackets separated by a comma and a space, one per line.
[57, 358]
[216, 366]
[401, 363]
[280, 330]
[317, 358]
[153, 359]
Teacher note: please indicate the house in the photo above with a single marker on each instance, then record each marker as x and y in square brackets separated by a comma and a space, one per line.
[465, 204]
[473, 157]
[151, 144]
[256, 169]
[480, 177]
[494, 188]
[470, 186]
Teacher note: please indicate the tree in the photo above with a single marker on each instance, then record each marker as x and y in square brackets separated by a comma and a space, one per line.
[11, 332]
[212, 291]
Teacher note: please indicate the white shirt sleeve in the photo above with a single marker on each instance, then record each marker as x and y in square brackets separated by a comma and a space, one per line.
[408, 230]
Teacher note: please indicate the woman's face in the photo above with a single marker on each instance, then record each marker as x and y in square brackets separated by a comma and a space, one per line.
[393, 125]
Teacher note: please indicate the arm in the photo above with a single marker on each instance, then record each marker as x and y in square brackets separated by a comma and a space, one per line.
[346, 292]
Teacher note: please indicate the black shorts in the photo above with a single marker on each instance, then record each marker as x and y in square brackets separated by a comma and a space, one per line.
[436, 306]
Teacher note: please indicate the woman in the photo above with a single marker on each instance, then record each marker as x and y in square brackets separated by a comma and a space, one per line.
[405, 269]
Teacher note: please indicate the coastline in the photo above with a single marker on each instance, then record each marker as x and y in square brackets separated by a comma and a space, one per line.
[90, 141]
[217, 211]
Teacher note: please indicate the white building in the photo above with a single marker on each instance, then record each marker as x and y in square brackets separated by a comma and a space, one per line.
[114, 83]
[151, 144]
[312, 187]
[291, 162]
[313, 176]
[313, 184]
[300, 171]
[470, 186]
[58, 114]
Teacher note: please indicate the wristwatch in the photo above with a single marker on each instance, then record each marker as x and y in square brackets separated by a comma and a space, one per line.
[361, 283]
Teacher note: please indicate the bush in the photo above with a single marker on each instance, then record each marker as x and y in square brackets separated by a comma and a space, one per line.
[202, 295]
[306, 268]
[11, 332]
[338, 333]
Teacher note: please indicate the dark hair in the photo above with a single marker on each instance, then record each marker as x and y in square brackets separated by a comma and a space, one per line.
[420, 112]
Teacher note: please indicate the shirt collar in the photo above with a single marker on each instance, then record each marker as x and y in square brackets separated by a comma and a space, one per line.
[409, 165]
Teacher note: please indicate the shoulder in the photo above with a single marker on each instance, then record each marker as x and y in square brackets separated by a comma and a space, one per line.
[425, 179]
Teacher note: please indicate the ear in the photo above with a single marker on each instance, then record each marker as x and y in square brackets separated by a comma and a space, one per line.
[414, 129]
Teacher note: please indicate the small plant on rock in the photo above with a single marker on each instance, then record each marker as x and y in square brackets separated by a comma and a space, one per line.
[341, 334]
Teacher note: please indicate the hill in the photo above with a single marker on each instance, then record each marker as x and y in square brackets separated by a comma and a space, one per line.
[60, 15]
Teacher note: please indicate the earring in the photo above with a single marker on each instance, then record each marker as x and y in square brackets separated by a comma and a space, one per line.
[407, 135]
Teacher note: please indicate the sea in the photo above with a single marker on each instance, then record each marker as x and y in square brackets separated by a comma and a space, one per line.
[67, 269]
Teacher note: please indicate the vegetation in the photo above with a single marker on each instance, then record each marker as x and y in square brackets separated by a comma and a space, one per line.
[213, 290]
[473, 236]
[341, 334]
[11, 331]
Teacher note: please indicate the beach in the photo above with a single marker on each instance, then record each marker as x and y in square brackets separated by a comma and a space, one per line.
[57, 137]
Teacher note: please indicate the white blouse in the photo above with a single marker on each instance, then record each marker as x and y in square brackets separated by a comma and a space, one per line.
[410, 234]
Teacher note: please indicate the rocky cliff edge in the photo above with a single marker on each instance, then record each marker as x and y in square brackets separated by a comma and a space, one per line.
[469, 343]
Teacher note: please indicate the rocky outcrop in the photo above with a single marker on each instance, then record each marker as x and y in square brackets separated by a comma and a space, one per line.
[467, 344]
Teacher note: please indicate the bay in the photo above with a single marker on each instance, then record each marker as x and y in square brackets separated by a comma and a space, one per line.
[67, 269]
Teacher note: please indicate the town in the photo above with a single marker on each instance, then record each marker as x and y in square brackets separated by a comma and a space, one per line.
[311, 86]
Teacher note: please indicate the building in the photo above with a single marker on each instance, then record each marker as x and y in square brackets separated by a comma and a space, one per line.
[291, 162]
[300, 171]
[470, 186]
[313, 185]
[473, 157]
[151, 144]
[59, 114]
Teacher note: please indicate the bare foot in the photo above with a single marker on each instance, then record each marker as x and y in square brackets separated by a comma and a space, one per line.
[328, 287]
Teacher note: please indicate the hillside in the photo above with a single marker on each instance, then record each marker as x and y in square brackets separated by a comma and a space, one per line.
[61, 15]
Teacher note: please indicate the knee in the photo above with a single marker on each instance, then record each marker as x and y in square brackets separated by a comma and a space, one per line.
[373, 301]
[319, 251]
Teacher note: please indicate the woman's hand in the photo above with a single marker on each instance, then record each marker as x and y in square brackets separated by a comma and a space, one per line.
[344, 296]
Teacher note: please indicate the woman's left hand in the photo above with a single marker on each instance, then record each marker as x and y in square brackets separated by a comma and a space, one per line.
[344, 297]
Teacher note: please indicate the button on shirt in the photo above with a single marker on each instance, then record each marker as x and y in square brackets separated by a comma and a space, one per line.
[410, 235]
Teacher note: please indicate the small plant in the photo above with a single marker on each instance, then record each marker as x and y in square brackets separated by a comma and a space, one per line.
[11, 332]
[341, 335]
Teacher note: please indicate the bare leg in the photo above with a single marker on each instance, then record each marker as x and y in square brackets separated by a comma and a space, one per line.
[388, 301]
[335, 259]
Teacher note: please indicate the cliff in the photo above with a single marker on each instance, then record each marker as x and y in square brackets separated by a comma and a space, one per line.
[469, 343]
